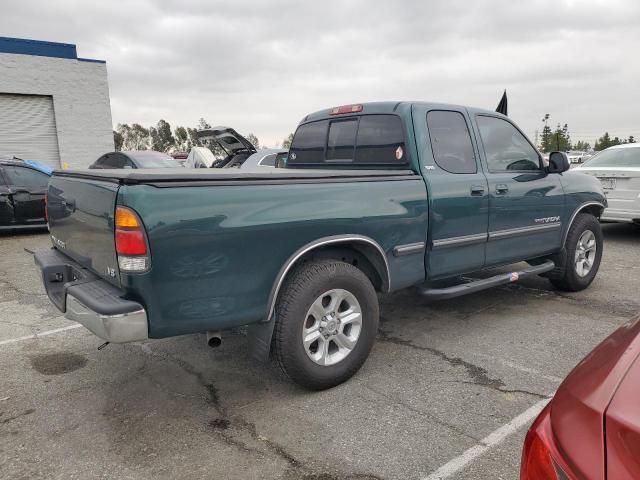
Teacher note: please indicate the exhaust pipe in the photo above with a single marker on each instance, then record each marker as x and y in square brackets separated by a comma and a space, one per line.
[214, 339]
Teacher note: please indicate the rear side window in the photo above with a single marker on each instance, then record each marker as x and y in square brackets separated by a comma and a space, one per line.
[25, 177]
[113, 160]
[268, 161]
[365, 140]
[451, 142]
[380, 140]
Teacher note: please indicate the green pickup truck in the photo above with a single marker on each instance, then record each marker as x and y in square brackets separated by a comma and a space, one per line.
[374, 198]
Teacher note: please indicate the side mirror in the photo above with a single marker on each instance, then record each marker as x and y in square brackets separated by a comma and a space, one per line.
[558, 162]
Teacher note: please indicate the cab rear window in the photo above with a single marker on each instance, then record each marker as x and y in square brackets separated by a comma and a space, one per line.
[365, 140]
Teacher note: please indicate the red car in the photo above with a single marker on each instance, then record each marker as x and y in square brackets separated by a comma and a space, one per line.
[591, 428]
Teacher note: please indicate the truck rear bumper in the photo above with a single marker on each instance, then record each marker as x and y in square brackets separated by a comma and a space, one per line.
[87, 299]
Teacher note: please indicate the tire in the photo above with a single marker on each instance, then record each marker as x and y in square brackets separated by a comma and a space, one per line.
[307, 299]
[585, 228]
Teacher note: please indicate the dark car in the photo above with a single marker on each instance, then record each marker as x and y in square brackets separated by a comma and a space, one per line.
[591, 428]
[22, 195]
[135, 159]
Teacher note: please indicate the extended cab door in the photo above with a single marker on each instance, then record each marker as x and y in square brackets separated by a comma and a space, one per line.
[457, 189]
[526, 204]
[27, 188]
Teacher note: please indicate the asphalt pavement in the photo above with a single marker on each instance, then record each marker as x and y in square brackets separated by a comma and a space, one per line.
[442, 378]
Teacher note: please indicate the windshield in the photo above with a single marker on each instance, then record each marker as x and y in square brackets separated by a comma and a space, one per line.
[616, 157]
[156, 161]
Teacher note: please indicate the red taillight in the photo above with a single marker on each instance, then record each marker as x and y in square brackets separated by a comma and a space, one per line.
[130, 238]
[346, 109]
[536, 459]
[130, 242]
[541, 459]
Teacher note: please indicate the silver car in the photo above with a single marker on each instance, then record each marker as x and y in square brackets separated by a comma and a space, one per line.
[618, 168]
[268, 157]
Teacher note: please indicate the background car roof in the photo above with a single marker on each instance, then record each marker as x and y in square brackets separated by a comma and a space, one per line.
[143, 154]
[625, 145]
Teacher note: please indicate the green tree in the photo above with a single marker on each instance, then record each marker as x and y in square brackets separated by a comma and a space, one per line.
[118, 139]
[603, 142]
[547, 134]
[194, 141]
[161, 137]
[582, 146]
[202, 124]
[286, 143]
[631, 139]
[182, 140]
[253, 140]
[134, 137]
[558, 140]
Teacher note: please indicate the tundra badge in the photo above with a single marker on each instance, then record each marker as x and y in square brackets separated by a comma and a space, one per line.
[547, 220]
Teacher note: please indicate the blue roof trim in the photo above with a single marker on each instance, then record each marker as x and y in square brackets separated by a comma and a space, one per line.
[23, 46]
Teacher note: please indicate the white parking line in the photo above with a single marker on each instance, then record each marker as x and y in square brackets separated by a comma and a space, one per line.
[42, 334]
[494, 438]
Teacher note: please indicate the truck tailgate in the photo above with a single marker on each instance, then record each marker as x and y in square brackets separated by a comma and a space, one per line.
[81, 222]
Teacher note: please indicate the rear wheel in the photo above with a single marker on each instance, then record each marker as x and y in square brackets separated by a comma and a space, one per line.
[584, 251]
[326, 323]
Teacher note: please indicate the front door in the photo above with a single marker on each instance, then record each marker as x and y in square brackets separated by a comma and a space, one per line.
[526, 204]
[458, 192]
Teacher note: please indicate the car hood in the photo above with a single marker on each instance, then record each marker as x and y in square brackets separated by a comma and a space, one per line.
[227, 138]
[578, 408]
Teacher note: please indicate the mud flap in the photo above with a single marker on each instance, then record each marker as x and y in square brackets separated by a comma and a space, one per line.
[259, 337]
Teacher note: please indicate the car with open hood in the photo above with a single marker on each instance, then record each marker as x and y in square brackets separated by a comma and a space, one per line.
[230, 148]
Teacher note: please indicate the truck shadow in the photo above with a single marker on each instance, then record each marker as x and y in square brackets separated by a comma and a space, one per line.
[626, 233]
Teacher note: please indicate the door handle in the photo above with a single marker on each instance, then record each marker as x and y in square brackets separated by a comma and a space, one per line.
[477, 190]
[501, 189]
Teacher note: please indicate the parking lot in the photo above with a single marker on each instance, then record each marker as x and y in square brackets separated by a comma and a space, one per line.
[443, 378]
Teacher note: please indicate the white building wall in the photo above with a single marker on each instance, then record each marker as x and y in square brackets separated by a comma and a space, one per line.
[80, 92]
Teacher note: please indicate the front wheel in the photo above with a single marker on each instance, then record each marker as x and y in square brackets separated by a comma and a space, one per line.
[326, 323]
[584, 247]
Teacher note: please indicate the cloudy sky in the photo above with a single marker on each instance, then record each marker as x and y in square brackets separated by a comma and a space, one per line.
[261, 66]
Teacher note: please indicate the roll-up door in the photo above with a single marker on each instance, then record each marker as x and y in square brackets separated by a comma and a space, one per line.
[28, 128]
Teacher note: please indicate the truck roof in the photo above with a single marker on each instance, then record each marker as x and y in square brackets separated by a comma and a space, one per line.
[393, 107]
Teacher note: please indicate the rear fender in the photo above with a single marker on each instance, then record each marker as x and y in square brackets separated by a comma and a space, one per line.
[259, 334]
